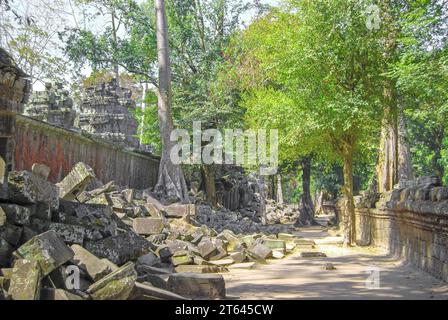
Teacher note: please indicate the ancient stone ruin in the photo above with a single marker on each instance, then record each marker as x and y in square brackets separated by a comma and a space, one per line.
[53, 105]
[106, 112]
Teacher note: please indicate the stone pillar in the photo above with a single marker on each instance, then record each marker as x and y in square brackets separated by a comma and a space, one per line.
[14, 93]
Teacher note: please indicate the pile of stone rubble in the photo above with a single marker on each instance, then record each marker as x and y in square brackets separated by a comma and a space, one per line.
[63, 242]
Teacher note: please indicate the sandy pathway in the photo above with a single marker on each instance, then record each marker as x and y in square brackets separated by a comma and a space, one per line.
[305, 278]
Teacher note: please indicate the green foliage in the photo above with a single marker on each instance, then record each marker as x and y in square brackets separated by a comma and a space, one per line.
[313, 71]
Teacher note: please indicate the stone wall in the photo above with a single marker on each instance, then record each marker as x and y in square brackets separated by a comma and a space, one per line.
[61, 149]
[14, 93]
[53, 105]
[411, 223]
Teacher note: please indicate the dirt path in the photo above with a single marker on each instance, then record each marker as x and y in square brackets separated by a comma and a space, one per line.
[305, 278]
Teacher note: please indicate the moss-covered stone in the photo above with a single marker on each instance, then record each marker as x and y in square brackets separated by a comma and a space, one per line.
[25, 280]
[48, 249]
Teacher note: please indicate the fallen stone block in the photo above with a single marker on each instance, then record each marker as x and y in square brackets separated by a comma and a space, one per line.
[181, 258]
[260, 251]
[5, 252]
[76, 181]
[121, 248]
[12, 234]
[95, 267]
[88, 195]
[222, 262]
[246, 265]
[148, 226]
[180, 210]
[145, 291]
[116, 285]
[2, 217]
[149, 259]
[238, 256]
[2, 171]
[200, 269]
[69, 233]
[48, 249]
[276, 254]
[207, 249]
[278, 245]
[58, 294]
[233, 243]
[17, 214]
[26, 188]
[41, 170]
[208, 286]
[129, 195]
[157, 280]
[156, 203]
[221, 248]
[25, 280]
[152, 210]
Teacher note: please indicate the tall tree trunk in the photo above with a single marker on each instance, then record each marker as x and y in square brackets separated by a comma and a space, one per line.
[143, 106]
[171, 180]
[394, 158]
[350, 217]
[209, 183]
[404, 153]
[279, 193]
[114, 34]
[306, 216]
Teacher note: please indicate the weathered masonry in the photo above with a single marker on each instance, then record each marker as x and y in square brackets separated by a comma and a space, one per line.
[411, 223]
[14, 93]
[60, 149]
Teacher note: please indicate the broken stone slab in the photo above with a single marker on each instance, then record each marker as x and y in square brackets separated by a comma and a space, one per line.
[121, 248]
[221, 248]
[48, 249]
[246, 265]
[2, 171]
[208, 286]
[41, 170]
[276, 254]
[2, 217]
[17, 214]
[116, 285]
[76, 181]
[25, 280]
[278, 245]
[88, 195]
[199, 269]
[148, 226]
[129, 195]
[149, 259]
[27, 188]
[207, 249]
[286, 237]
[260, 251]
[146, 291]
[179, 210]
[5, 252]
[68, 232]
[312, 254]
[181, 258]
[223, 262]
[152, 210]
[156, 280]
[238, 256]
[156, 203]
[232, 240]
[12, 234]
[58, 294]
[152, 270]
[95, 267]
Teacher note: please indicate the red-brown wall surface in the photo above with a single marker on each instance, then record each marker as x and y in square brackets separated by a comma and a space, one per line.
[60, 149]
